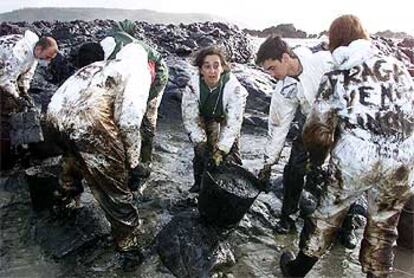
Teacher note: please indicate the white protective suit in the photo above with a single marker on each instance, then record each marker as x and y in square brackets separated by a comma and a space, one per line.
[365, 113]
[98, 113]
[124, 81]
[17, 62]
[291, 94]
[234, 102]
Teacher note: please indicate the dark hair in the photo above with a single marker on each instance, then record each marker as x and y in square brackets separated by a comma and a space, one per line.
[210, 50]
[88, 53]
[273, 48]
[344, 30]
[46, 42]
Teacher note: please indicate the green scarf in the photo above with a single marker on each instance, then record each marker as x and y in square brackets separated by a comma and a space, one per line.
[211, 100]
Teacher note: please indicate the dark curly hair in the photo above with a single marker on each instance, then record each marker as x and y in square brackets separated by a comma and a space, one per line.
[273, 48]
[210, 50]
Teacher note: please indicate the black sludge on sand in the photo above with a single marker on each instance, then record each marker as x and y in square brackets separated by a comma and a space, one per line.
[43, 181]
[227, 194]
[189, 247]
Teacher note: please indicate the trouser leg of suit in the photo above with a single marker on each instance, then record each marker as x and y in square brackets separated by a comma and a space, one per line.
[321, 227]
[103, 164]
[380, 236]
[70, 179]
[389, 183]
[148, 126]
[293, 176]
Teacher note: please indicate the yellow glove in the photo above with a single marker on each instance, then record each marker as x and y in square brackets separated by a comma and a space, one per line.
[218, 157]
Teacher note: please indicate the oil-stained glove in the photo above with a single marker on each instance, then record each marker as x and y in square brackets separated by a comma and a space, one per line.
[218, 156]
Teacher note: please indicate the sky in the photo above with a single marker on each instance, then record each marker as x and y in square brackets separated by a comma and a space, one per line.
[312, 16]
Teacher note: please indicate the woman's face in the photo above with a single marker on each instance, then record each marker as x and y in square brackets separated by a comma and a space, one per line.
[211, 70]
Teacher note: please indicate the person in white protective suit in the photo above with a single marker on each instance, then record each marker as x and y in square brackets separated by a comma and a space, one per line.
[97, 114]
[19, 57]
[363, 117]
[122, 35]
[212, 110]
[299, 72]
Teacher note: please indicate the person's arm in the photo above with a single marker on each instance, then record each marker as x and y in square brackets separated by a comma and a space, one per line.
[161, 70]
[283, 106]
[161, 73]
[191, 116]
[9, 74]
[25, 78]
[319, 128]
[131, 104]
[234, 112]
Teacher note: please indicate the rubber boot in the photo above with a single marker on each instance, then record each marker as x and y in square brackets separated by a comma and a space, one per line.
[348, 239]
[347, 235]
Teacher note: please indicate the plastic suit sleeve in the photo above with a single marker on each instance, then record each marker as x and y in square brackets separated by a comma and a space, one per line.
[281, 114]
[234, 111]
[191, 116]
[319, 129]
[10, 73]
[161, 72]
[25, 78]
[130, 107]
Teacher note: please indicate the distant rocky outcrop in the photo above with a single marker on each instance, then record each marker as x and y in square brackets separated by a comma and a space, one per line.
[180, 40]
[69, 14]
[407, 47]
[393, 35]
[283, 30]
[289, 31]
[403, 50]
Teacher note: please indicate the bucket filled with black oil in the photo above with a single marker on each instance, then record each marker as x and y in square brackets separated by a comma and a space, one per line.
[226, 194]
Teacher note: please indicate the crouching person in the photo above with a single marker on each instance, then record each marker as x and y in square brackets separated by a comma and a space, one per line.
[122, 35]
[363, 118]
[212, 109]
[97, 114]
[19, 57]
